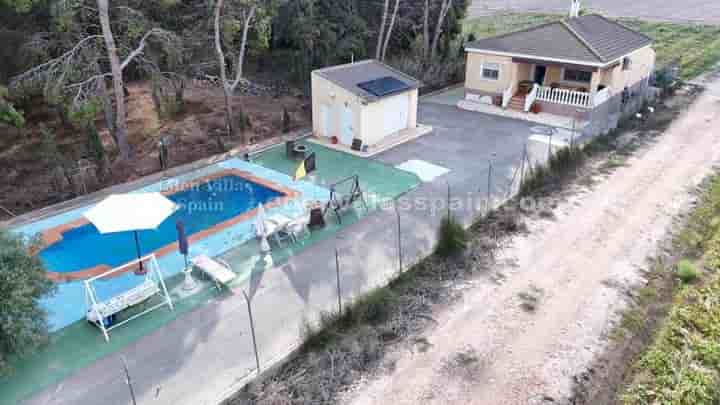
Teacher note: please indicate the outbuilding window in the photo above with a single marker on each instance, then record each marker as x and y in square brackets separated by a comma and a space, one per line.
[574, 75]
[490, 71]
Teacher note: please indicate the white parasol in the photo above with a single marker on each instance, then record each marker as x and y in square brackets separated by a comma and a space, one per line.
[260, 229]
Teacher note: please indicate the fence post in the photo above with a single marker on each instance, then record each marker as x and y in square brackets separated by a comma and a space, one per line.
[399, 239]
[489, 184]
[128, 380]
[252, 331]
[522, 167]
[337, 274]
[552, 132]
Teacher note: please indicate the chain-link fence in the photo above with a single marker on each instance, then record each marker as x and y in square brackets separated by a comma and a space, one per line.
[222, 339]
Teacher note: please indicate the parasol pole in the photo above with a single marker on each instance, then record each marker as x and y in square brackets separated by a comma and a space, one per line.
[139, 256]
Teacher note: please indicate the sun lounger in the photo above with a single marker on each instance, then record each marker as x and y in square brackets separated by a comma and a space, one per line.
[217, 270]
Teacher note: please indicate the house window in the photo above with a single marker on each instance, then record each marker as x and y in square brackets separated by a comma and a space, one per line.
[490, 71]
[574, 75]
[626, 64]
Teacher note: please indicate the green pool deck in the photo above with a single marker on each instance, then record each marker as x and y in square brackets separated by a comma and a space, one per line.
[376, 178]
[80, 344]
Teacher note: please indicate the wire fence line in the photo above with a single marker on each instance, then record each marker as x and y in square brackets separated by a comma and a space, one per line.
[268, 315]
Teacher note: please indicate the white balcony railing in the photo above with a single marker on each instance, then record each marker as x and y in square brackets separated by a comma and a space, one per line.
[564, 96]
[531, 97]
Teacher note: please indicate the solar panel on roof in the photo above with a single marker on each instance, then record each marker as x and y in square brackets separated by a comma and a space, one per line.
[384, 86]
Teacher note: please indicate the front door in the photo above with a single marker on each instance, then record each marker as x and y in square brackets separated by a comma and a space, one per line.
[540, 71]
[324, 120]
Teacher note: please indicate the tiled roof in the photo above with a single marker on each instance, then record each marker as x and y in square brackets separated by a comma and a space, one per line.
[590, 38]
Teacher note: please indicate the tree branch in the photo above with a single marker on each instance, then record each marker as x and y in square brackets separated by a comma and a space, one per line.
[243, 45]
[62, 59]
[141, 47]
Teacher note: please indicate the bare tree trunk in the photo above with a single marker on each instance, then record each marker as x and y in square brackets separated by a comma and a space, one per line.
[444, 8]
[106, 104]
[243, 46]
[426, 31]
[390, 28]
[223, 70]
[229, 88]
[381, 30]
[118, 88]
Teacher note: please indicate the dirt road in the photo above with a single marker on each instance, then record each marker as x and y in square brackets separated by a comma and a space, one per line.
[701, 11]
[488, 350]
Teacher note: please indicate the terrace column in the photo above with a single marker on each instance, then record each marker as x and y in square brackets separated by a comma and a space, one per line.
[595, 82]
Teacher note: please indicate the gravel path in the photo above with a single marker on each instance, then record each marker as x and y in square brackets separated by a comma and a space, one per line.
[488, 350]
[705, 11]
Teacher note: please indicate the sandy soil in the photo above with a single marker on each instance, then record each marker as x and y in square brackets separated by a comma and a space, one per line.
[487, 349]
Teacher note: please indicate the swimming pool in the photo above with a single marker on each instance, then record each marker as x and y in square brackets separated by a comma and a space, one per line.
[219, 213]
[78, 251]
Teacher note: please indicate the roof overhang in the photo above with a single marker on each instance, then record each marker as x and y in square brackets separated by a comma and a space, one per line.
[555, 60]
[544, 58]
[550, 63]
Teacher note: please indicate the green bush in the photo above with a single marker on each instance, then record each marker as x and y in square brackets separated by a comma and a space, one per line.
[371, 309]
[94, 145]
[452, 237]
[23, 282]
[687, 272]
[11, 116]
[560, 165]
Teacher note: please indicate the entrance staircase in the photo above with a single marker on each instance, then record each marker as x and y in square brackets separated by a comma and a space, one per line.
[517, 102]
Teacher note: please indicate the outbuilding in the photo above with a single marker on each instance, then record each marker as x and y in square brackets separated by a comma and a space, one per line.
[363, 103]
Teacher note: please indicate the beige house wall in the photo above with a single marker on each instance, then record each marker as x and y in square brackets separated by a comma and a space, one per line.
[368, 120]
[642, 63]
[524, 71]
[373, 116]
[334, 97]
[474, 80]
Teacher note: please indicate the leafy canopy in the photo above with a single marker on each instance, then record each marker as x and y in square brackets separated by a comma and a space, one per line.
[23, 281]
[20, 6]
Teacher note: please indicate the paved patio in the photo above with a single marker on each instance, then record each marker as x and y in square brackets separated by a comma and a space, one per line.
[206, 354]
[456, 97]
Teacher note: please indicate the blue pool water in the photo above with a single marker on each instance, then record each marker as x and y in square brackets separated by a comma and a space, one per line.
[201, 207]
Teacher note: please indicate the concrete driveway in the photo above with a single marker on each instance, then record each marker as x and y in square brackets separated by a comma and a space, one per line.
[702, 11]
[205, 355]
[467, 143]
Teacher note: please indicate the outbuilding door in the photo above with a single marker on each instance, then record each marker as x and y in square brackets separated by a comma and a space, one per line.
[396, 113]
[346, 125]
[324, 120]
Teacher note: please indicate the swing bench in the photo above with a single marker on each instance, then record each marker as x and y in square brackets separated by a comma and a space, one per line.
[340, 203]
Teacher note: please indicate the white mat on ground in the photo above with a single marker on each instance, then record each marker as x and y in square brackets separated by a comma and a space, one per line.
[426, 171]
